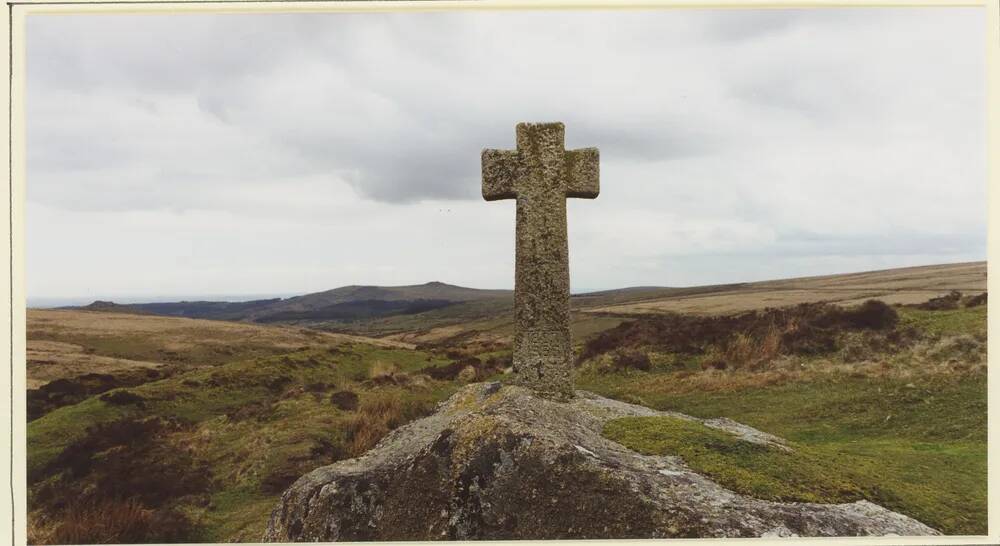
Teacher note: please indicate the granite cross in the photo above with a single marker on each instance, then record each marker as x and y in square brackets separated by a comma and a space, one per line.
[540, 175]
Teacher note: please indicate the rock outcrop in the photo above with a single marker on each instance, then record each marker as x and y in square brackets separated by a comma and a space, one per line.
[501, 463]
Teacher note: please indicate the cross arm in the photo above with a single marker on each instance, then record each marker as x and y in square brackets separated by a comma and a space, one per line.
[501, 169]
[583, 173]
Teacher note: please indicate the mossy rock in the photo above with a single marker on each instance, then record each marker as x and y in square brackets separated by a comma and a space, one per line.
[500, 463]
[762, 471]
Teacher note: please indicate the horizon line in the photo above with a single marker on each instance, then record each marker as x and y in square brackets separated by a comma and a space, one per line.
[234, 298]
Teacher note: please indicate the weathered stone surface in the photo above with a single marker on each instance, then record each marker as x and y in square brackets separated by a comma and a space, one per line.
[540, 175]
[505, 463]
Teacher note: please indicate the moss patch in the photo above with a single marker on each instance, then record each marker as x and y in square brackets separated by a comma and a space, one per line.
[756, 470]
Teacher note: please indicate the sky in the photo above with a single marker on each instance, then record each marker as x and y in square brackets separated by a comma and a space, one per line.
[227, 155]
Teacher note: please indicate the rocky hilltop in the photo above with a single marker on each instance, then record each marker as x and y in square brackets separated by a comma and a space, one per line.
[501, 463]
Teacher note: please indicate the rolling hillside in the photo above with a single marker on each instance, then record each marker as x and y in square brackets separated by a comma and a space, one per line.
[339, 305]
[416, 309]
[492, 320]
[903, 285]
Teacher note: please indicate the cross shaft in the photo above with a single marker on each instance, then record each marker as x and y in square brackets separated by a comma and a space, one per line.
[540, 175]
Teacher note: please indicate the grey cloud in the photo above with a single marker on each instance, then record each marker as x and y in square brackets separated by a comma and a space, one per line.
[895, 243]
[783, 95]
[165, 54]
[803, 244]
[636, 142]
[738, 27]
[399, 161]
[838, 130]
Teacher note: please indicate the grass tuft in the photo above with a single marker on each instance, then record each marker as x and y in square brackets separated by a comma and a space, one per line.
[118, 521]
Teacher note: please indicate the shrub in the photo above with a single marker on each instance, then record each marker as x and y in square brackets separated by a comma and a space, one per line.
[39, 530]
[278, 383]
[258, 410]
[809, 339]
[871, 315]
[480, 370]
[319, 386]
[123, 459]
[280, 478]
[78, 456]
[942, 303]
[122, 398]
[714, 360]
[746, 352]
[809, 328]
[105, 522]
[977, 300]
[449, 371]
[377, 416]
[345, 400]
[119, 521]
[65, 392]
[491, 366]
[631, 359]
[322, 453]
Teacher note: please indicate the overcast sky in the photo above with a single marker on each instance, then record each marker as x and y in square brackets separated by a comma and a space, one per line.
[191, 155]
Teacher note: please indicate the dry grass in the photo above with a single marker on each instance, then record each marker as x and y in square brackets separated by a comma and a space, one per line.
[949, 358]
[40, 529]
[63, 344]
[51, 360]
[903, 286]
[381, 370]
[377, 415]
[107, 522]
[181, 333]
[746, 351]
[375, 418]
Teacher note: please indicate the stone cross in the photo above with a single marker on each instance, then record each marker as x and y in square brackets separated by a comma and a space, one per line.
[540, 175]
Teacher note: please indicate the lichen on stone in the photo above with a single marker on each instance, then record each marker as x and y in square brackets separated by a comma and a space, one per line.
[502, 462]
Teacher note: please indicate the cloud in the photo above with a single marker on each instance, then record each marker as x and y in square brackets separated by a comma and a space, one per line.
[787, 134]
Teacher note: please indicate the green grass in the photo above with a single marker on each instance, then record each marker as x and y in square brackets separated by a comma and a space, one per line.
[238, 513]
[970, 320]
[48, 436]
[941, 484]
[144, 347]
[918, 446]
[914, 442]
[761, 471]
[206, 393]
[836, 408]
